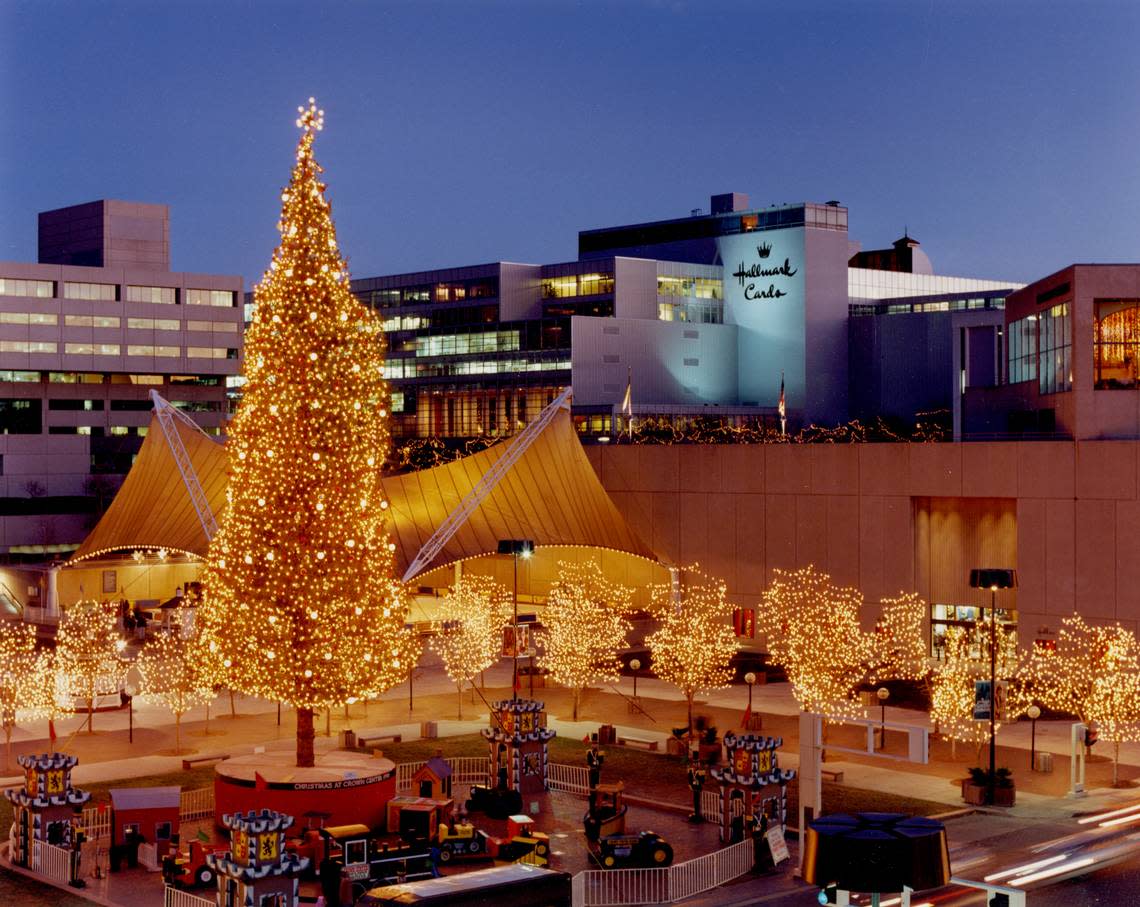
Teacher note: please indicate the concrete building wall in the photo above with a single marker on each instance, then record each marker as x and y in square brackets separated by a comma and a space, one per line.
[635, 288]
[825, 325]
[520, 295]
[666, 361]
[851, 510]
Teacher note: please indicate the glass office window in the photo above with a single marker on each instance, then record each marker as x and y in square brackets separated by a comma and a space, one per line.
[76, 378]
[91, 321]
[166, 295]
[41, 289]
[20, 417]
[18, 376]
[1022, 350]
[152, 324]
[91, 349]
[76, 290]
[1055, 370]
[28, 346]
[223, 298]
[228, 327]
[577, 285]
[211, 352]
[146, 349]
[28, 318]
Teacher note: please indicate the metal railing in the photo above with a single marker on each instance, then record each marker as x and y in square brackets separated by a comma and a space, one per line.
[176, 897]
[51, 861]
[616, 887]
[573, 779]
[97, 822]
[196, 804]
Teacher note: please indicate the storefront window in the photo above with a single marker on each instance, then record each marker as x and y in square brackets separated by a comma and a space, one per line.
[943, 617]
[1116, 343]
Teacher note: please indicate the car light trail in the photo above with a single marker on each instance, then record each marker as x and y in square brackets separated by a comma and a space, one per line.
[1028, 867]
[1055, 871]
[1088, 820]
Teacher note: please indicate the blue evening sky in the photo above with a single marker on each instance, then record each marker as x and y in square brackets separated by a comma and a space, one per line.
[1004, 135]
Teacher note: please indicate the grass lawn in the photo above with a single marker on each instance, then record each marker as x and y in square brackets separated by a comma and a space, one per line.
[200, 776]
[16, 889]
[663, 777]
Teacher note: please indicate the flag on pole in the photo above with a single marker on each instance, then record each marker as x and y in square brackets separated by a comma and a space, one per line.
[259, 783]
[746, 718]
[783, 407]
[51, 731]
[627, 400]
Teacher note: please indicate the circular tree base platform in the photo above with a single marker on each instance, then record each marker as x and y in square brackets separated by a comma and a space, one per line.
[341, 789]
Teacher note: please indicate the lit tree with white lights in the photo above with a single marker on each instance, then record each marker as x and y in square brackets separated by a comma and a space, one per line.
[469, 631]
[695, 642]
[812, 629]
[1093, 673]
[177, 670]
[300, 593]
[26, 690]
[87, 649]
[584, 628]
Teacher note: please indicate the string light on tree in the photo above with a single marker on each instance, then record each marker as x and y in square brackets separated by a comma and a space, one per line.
[25, 691]
[177, 669]
[584, 628]
[87, 655]
[695, 641]
[301, 596]
[468, 634]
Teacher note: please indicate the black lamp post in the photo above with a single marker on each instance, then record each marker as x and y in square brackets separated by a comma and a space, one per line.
[993, 578]
[635, 666]
[883, 693]
[1034, 713]
[517, 548]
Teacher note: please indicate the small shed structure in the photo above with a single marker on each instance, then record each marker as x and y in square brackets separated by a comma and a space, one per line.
[145, 814]
[433, 778]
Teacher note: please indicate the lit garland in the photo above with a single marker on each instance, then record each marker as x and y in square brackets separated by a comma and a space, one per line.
[300, 593]
[178, 669]
[24, 688]
[584, 628]
[87, 650]
[1094, 673]
[469, 632]
[695, 642]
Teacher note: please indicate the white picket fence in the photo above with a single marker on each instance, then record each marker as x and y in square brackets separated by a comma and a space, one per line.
[176, 897]
[465, 770]
[51, 861]
[616, 887]
[196, 804]
[97, 823]
[573, 779]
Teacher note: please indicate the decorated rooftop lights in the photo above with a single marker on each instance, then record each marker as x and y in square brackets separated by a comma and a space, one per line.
[300, 593]
[27, 689]
[469, 636]
[178, 669]
[87, 659]
[584, 627]
[695, 642]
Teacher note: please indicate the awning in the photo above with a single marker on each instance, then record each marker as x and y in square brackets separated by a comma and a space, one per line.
[551, 495]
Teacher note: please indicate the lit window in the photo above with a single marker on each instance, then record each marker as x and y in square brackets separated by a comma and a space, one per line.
[40, 289]
[91, 349]
[103, 291]
[27, 346]
[165, 295]
[224, 298]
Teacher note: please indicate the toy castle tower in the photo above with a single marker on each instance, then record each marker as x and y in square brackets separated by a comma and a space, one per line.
[257, 869]
[46, 809]
[518, 739]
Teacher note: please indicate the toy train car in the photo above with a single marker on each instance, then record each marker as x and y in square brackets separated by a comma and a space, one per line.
[189, 869]
[645, 850]
[521, 844]
[496, 802]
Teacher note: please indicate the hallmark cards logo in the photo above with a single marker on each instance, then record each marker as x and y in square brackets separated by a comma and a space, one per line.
[747, 276]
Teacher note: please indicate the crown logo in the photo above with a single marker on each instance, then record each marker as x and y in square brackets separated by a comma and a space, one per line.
[763, 250]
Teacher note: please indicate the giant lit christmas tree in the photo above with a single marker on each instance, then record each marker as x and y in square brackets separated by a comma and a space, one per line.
[300, 590]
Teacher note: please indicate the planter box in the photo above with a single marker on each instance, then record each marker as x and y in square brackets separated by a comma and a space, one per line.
[978, 794]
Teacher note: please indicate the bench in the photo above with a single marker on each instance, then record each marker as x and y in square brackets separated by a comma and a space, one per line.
[372, 739]
[650, 745]
[189, 763]
[831, 775]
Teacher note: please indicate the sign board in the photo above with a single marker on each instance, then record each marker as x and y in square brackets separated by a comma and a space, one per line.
[982, 700]
[777, 845]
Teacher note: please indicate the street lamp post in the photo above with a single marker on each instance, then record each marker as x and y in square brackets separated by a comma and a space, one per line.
[1034, 713]
[517, 548]
[993, 579]
[749, 678]
[131, 685]
[883, 693]
[635, 666]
